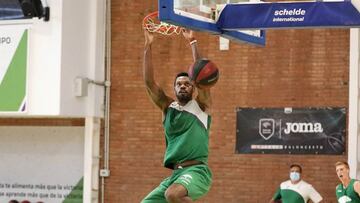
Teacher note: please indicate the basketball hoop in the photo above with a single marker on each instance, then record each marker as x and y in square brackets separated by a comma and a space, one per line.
[152, 23]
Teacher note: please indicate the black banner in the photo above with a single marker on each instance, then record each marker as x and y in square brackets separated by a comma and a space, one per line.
[290, 130]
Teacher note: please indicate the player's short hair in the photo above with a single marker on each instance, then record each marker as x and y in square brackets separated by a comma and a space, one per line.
[296, 165]
[342, 163]
[181, 74]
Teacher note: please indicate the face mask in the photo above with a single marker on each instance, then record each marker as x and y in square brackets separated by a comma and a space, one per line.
[294, 176]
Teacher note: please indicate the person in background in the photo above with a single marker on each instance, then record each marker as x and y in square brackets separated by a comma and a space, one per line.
[348, 191]
[296, 190]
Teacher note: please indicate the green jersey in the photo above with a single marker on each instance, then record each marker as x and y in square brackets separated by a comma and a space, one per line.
[347, 195]
[297, 193]
[186, 133]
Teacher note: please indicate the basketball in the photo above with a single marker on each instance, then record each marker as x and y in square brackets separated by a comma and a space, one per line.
[204, 73]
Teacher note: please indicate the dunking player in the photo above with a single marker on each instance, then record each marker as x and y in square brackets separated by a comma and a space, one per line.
[348, 191]
[186, 123]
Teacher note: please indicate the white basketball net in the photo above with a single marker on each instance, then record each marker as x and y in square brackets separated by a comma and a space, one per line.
[157, 26]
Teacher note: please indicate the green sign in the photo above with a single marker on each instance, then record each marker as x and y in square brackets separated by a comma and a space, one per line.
[13, 65]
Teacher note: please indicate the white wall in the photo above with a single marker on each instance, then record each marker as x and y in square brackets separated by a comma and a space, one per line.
[83, 26]
[35, 155]
[354, 101]
[71, 44]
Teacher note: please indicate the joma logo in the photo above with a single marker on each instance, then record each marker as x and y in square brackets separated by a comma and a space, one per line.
[303, 128]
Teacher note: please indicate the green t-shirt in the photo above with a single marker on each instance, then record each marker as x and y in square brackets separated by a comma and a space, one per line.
[347, 195]
[186, 133]
[297, 193]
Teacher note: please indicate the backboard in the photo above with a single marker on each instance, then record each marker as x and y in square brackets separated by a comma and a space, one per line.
[201, 15]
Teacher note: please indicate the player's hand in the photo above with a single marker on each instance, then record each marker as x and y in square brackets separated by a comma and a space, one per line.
[149, 38]
[188, 34]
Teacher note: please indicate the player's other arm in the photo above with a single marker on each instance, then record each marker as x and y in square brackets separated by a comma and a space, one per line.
[204, 99]
[156, 93]
[204, 96]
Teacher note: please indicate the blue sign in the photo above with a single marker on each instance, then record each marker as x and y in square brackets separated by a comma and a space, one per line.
[289, 15]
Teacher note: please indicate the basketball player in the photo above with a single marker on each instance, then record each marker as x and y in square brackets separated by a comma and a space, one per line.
[186, 123]
[348, 191]
[296, 190]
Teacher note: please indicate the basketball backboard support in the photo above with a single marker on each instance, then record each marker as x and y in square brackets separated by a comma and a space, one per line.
[201, 15]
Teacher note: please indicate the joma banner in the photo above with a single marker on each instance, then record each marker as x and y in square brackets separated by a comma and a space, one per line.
[291, 130]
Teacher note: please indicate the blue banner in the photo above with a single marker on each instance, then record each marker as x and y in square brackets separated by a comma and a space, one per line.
[288, 15]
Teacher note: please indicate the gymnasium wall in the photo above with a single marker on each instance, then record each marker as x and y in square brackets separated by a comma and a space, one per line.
[296, 68]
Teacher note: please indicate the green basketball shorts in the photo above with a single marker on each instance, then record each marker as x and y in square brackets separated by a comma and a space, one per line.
[196, 179]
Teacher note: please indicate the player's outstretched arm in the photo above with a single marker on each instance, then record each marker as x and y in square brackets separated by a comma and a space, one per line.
[155, 92]
[204, 96]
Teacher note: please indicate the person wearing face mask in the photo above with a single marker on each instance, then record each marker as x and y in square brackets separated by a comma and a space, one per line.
[296, 190]
[348, 191]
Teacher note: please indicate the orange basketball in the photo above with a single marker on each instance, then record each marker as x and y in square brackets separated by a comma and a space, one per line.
[204, 73]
